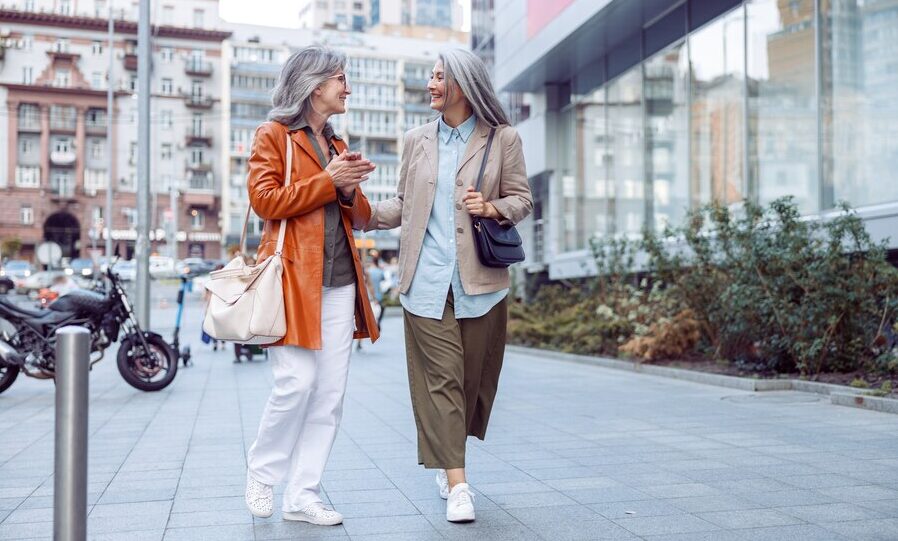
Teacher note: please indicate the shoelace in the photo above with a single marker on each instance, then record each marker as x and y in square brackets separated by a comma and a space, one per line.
[319, 511]
[465, 496]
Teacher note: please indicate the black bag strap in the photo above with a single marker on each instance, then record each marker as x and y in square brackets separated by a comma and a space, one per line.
[486, 154]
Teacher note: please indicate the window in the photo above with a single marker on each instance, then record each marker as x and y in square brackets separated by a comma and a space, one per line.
[197, 218]
[26, 146]
[168, 15]
[96, 80]
[198, 18]
[167, 87]
[197, 124]
[196, 155]
[782, 110]
[62, 182]
[97, 149]
[62, 78]
[28, 41]
[859, 114]
[64, 7]
[62, 117]
[166, 151]
[95, 117]
[717, 58]
[63, 145]
[132, 153]
[27, 75]
[29, 116]
[61, 46]
[666, 134]
[26, 215]
[28, 176]
[167, 54]
[196, 89]
[96, 48]
[100, 9]
[165, 119]
[130, 215]
[132, 83]
[29, 5]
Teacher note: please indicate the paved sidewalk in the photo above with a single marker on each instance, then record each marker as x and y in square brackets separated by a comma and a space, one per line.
[573, 452]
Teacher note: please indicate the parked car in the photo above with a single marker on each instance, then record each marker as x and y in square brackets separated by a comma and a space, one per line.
[80, 267]
[44, 280]
[194, 266]
[126, 270]
[17, 270]
[162, 267]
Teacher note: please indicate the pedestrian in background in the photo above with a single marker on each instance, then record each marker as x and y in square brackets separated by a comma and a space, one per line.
[322, 279]
[454, 307]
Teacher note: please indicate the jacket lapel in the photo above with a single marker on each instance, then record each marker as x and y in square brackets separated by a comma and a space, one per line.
[301, 139]
[429, 145]
[475, 143]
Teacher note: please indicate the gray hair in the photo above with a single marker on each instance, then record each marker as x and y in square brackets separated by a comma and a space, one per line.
[470, 73]
[304, 71]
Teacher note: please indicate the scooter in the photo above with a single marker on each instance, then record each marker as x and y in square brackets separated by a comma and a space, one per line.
[183, 353]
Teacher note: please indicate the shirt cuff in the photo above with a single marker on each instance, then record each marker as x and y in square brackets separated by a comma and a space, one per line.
[346, 201]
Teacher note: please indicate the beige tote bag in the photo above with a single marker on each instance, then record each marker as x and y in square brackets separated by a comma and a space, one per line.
[247, 301]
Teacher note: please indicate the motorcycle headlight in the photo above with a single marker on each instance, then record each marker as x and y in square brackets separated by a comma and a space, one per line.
[27, 273]
[86, 272]
[69, 272]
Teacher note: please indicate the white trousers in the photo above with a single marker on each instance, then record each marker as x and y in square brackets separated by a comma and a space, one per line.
[301, 419]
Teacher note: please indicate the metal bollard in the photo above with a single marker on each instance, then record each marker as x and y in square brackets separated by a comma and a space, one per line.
[70, 478]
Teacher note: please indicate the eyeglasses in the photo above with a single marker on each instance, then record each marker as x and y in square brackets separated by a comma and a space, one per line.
[341, 78]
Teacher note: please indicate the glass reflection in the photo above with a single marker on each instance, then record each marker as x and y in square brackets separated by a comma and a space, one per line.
[717, 57]
[626, 152]
[666, 160]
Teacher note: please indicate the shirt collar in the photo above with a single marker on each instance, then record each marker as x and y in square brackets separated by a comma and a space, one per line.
[465, 129]
[328, 131]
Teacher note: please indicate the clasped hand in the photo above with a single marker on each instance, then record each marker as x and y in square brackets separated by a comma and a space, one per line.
[348, 170]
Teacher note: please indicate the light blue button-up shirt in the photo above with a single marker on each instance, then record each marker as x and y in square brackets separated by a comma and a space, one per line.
[437, 268]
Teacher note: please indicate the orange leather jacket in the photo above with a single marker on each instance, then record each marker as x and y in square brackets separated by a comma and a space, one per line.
[302, 203]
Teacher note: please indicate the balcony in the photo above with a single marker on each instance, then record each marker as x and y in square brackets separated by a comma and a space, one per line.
[130, 61]
[415, 82]
[198, 102]
[95, 127]
[29, 124]
[197, 67]
[198, 137]
[201, 167]
[67, 157]
[200, 191]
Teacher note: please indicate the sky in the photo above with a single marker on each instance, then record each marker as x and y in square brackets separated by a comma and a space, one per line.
[281, 12]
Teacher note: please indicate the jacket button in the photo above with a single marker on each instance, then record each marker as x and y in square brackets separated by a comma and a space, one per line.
[458, 183]
[458, 206]
[459, 229]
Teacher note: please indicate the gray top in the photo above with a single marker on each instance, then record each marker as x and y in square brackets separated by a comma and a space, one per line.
[338, 267]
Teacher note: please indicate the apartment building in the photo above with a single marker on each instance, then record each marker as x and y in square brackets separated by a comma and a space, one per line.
[359, 15]
[55, 167]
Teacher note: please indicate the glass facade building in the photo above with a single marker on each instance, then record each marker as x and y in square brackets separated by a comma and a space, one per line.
[693, 102]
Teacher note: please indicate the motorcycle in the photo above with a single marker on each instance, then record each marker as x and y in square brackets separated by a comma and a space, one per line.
[28, 337]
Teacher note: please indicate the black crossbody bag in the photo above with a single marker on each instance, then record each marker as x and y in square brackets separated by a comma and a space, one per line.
[497, 245]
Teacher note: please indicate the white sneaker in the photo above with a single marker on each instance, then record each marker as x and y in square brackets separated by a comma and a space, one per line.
[315, 513]
[460, 504]
[443, 483]
[259, 497]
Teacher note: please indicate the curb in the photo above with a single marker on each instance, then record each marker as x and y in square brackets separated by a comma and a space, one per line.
[840, 395]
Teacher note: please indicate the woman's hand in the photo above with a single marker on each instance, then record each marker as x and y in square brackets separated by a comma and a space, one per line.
[348, 170]
[478, 207]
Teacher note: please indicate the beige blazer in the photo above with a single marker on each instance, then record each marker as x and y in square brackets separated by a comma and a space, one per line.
[504, 185]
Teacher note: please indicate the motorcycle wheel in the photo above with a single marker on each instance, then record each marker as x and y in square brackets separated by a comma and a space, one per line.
[151, 370]
[8, 375]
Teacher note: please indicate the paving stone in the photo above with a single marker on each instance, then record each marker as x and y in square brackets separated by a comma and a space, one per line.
[574, 452]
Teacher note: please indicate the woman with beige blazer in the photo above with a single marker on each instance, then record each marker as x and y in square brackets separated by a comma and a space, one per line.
[454, 307]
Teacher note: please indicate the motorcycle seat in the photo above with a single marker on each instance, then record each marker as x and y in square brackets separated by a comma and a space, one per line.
[22, 311]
